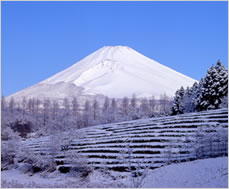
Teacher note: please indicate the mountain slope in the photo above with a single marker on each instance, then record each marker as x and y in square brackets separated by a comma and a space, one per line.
[114, 71]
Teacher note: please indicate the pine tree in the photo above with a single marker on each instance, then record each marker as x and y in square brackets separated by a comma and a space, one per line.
[178, 106]
[223, 74]
[214, 88]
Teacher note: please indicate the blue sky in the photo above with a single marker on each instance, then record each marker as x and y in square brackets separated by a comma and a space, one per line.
[40, 39]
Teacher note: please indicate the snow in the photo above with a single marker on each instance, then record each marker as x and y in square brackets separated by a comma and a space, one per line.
[207, 173]
[124, 69]
[148, 138]
[112, 67]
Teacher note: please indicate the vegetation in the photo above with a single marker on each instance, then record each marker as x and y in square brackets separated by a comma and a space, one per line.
[210, 93]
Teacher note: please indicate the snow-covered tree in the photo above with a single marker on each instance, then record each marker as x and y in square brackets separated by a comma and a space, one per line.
[178, 106]
[165, 104]
[46, 112]
[124, 108]
[23, 105]
[152, 105]
[75, 107]
[87, 114]
[55, 109]
[133, 107]
[12, 105]
[215, 86]
[66, 107]
[114, 110]
[4, 104]
[95, 112]
[31, 105]
[9, 148]
[144, 108]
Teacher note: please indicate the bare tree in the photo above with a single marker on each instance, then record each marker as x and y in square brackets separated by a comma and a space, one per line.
[46, 112]
[96, 111]
[124, 108]
[87, 114]
[133, 107]
[66, 106]
[12, 105]
[165, 104]
[4, 104]
[144, 109]
[152, 105]
[75, 107]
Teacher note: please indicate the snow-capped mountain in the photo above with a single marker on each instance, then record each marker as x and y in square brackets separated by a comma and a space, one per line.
[114, 71]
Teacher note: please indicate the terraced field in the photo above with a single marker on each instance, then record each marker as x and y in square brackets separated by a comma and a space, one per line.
[144, 143]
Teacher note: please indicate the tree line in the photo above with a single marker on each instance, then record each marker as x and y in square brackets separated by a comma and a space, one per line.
[47, 116]
[211, 92]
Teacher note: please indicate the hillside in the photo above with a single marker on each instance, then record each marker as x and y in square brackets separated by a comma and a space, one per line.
[152, 143]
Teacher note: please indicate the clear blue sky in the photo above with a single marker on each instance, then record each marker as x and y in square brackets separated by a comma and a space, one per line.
[40, 39]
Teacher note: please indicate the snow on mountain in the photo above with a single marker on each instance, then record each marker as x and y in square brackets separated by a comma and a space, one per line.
[114, 71]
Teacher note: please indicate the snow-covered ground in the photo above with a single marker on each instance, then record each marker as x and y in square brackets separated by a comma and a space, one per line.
[208, 173]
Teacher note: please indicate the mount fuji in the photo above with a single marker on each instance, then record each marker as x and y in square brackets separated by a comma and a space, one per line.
[113, 71]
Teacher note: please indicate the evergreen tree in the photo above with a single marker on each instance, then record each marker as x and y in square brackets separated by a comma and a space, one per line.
[178, 106]
[223, 74]
[214, 88]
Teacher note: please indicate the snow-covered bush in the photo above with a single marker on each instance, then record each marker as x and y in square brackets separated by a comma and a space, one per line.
[210, 142]
[32, 162]
[9, 148]
[137, 173]
[80, 166]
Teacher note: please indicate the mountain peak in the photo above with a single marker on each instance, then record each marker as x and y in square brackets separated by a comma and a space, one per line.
[116, 47]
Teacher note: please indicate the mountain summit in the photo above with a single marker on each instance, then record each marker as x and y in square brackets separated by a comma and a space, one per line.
[114, 71]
